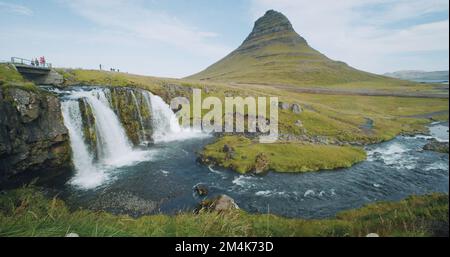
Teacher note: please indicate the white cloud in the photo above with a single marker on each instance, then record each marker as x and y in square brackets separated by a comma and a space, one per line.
[133, 20]
[362, 33]
[15, 8]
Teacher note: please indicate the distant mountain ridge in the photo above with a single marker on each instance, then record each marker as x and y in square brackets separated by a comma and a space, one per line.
[417, 75]
[274, 53]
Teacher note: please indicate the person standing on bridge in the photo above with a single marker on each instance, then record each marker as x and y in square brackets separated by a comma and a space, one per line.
[42, 61]
[36, 62]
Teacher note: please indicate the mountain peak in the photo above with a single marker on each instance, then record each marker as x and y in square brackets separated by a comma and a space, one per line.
[273, 24]
[275, 53]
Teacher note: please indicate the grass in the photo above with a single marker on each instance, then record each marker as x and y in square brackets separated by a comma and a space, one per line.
[27, 212]
[11, 78]
[282, 157]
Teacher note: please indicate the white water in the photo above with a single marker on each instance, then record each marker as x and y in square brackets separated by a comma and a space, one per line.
[114, 148]
[87, 174]
[395, 155]
[166, 127]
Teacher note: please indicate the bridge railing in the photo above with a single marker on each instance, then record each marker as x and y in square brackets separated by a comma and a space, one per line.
[18, 60]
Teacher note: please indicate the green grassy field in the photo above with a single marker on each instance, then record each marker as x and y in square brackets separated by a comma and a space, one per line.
[27, 212]
[282, 157]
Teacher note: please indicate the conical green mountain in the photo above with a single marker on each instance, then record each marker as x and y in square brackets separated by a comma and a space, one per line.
[275, 53]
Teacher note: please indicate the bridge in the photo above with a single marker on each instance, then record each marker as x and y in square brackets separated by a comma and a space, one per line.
[38, 73]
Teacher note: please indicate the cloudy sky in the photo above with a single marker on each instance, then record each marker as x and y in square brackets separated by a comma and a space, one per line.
[175, 38]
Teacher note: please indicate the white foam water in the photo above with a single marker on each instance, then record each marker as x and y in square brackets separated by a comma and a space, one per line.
[309, 192]
[114, 148]
[87, 174]
[440, 133]
[166, 127]
[395, 155]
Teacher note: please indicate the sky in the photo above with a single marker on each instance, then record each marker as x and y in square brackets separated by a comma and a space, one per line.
[177, 38]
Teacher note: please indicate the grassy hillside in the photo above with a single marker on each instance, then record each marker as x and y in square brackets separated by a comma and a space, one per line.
[275, 54]
[27, 212]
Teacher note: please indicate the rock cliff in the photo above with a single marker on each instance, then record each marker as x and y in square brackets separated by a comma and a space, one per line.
[32, 133]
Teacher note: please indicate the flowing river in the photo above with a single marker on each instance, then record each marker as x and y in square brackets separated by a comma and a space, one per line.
[160, 178]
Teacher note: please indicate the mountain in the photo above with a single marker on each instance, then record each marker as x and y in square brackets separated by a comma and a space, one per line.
[421, 76]
[275, 53]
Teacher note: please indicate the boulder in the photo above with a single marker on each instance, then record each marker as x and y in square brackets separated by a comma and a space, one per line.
[219, 204]
[201, 190]
[296, 108]
[261, 164]
[229, 152]
[299, 123]
[436, 146]
[284, 106]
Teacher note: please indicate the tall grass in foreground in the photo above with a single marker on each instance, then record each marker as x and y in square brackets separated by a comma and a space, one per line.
[27, 212]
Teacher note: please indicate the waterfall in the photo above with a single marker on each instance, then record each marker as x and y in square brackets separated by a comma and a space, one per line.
[165, 123]
[142, 138]
[115, 145]
[113, 148]
[88, 175]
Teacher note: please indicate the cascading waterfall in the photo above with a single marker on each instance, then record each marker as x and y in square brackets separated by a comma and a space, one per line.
[112, 147]
[165, 123]
[88, 175]
[115, 145]
[142, 138]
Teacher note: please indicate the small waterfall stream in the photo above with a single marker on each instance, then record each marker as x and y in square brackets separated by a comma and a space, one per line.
[142, 137]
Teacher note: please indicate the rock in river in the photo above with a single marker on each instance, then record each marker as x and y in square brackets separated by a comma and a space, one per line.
[436, 146]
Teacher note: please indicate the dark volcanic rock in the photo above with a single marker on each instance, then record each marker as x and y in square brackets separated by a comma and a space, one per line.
[272, 23]
[436, 146]
[201, 190]
[32, 134]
